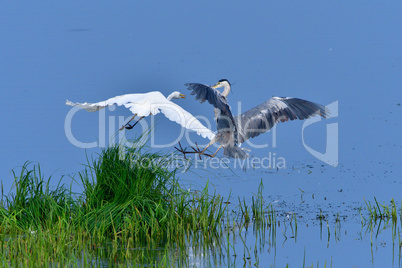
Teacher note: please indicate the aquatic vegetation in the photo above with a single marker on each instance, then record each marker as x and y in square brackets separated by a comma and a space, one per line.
[34, 204]
[133, 212]
[130, 200]
[379, 211]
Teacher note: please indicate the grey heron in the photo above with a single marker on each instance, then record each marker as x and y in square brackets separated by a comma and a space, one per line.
[151, 103]
[232, 131]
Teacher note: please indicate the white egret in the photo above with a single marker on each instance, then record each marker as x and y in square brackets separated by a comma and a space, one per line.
[151, 103]
[232, 131]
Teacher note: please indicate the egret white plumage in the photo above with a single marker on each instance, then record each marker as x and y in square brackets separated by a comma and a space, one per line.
[232, 131]
[151, 103]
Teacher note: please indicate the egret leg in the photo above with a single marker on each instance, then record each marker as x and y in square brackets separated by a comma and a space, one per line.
[130, 127]
[124, 126]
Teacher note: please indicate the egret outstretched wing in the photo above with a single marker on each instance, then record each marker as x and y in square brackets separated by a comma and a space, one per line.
[263, 117]
[139, 104]
[177, 114]
[145, 104]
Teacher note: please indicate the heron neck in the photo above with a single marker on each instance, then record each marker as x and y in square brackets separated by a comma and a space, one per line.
[226, 90]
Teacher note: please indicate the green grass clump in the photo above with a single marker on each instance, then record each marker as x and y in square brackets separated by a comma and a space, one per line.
[34, 204]
[130, 194]
[127, 190]
[131, 204]
[379, 211]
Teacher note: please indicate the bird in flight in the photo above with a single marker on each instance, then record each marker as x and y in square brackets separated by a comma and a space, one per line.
[234, 130]
[151, 103]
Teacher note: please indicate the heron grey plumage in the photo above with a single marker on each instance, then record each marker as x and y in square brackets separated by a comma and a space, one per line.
[225, 121]
[217, 99]
[263, 117]
[233, 131]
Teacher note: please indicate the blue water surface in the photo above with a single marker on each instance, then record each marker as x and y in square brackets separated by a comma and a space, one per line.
[326, 52]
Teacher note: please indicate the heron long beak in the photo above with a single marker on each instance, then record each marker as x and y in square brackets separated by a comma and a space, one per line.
[216, 86]
[182, 96]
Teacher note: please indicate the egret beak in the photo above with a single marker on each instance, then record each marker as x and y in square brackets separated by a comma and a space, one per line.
[182, 96]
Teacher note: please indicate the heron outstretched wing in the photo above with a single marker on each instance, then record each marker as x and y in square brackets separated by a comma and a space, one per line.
[203, 92]
[263, 117]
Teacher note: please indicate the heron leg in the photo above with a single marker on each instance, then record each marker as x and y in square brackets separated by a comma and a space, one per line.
[130, 127]
[198, 150]
[209, 144]
[127, 124]
[212, 156]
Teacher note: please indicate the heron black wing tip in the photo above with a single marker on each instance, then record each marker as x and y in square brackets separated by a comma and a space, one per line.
[326, 113]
